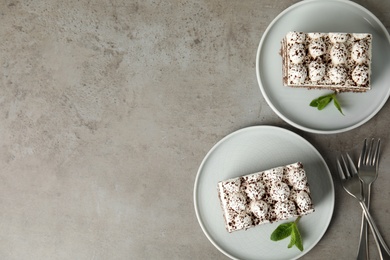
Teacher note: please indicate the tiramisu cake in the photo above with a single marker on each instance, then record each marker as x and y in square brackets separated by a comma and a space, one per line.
[337, 61]
[265, 197]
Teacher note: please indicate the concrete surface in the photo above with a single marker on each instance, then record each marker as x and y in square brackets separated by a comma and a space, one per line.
[107, 109]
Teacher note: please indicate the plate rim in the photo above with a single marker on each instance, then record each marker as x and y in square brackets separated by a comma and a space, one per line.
[285, 118]
[262, 128]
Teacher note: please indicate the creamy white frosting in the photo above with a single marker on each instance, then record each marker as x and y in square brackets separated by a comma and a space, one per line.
[297, 179]
[338, 53]
[254, 190]
[295, 37]
[338, 37]
[285, 209]
[337, 74]
[274, 175]
[303, 200]
[297, 74]
[315, 35]
[316, 70]
[360, 51]
[360, 74]
[280, 191]
[360, 35]
[237, 202]
[317, 48]
[233, 185]
[297, 53]
[259, 208]
[243, 221]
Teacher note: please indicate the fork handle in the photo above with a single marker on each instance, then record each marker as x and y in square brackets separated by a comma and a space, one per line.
[384, 250]
[363, 253]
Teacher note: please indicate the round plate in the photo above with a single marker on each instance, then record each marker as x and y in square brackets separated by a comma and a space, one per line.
[292, 104]
[252, 150]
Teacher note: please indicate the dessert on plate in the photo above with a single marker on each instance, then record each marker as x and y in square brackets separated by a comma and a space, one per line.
[265, 197]
[337, 61]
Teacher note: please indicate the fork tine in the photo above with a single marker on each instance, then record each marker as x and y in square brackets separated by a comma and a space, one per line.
[341, 171]
[376, 154]
[352, 165]
[362, 154]
[370, 155]
[347, 174]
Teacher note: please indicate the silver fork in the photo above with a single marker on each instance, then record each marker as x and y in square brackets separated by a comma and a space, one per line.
[352, 184]
[368, 172]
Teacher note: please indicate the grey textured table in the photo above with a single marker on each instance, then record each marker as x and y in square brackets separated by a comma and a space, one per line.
[107, 109]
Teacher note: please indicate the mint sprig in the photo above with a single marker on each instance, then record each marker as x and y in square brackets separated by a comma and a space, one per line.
[321, 102]
[289, 229]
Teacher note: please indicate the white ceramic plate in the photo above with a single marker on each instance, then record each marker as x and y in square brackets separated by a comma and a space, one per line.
[292, 105]
[251, 150]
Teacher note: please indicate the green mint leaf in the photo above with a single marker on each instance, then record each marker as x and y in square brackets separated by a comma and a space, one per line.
[289, 229]
[337, 104]
[293, 238]
[325, 96]
[321, 102]
[314, 103]
[282, 231]
[297, 237]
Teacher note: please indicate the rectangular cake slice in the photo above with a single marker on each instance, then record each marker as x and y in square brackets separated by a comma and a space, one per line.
[265, 197]
[337, 61]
